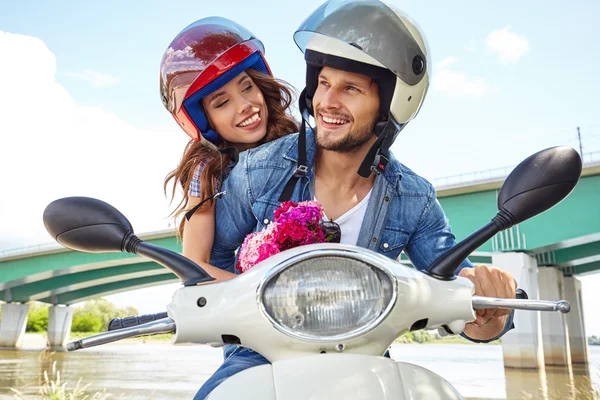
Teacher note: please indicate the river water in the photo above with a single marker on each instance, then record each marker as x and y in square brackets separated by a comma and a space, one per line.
[161, 371]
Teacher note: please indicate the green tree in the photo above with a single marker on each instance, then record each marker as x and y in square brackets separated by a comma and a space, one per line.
[37, 318]
[422, 336]
[102, 310]
[83, 322]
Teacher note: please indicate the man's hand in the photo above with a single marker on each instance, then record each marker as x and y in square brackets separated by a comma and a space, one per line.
[492, 282]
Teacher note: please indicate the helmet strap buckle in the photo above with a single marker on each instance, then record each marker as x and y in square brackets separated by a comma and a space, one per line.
[379, 163]
[379, 154]
[301, 171]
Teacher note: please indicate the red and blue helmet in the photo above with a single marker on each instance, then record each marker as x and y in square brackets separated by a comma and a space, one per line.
[202, 58]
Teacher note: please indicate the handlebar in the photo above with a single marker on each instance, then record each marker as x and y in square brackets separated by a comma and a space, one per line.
[480, 302]
[521, 302]
[165, 325]
[127, 322]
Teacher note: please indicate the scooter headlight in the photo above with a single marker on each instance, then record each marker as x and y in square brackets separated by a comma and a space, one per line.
[328, 297]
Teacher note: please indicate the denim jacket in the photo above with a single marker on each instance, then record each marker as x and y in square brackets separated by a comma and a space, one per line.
[403, 212]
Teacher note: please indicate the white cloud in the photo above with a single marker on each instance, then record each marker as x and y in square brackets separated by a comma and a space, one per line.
[509, 46]
[456, 83]
[471, 46]
[52, 147]
[97, 79]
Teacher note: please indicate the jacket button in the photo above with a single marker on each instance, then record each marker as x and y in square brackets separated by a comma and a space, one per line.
[385, 245]
[266, 221]
[387, 198]
[374, 239]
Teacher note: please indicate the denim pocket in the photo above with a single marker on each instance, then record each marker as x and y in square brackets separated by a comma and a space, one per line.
[264, 211]
[392, 241]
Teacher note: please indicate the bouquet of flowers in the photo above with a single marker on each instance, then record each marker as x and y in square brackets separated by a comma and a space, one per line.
[294, 224]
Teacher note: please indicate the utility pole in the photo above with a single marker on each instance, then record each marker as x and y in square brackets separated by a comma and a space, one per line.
[580, 146]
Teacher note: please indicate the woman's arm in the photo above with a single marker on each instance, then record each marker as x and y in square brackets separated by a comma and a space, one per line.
[198, 237]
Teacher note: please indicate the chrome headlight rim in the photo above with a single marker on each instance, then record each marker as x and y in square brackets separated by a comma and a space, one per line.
[369, 259]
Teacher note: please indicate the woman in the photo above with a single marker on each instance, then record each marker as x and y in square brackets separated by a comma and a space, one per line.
[216, 83]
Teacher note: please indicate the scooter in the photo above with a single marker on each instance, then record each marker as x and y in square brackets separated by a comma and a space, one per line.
[322, 314]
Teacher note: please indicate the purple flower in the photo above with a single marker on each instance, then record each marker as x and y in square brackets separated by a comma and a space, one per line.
[294, 224]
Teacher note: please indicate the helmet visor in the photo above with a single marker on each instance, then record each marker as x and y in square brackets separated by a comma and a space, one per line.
[370, 26]
[194, 50]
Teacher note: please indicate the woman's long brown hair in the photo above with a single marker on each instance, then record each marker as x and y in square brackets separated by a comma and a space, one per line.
[278, 97]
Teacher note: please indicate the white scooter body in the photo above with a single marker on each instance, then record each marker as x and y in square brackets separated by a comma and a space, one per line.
[309, 369]
[336, 376]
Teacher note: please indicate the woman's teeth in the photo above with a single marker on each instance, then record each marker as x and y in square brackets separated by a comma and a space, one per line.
[334, 120]
[249, 121]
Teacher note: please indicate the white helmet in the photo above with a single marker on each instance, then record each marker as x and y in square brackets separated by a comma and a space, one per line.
[373, 39]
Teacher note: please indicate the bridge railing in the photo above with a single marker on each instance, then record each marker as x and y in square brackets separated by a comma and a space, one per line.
[477, 176]
[52, 246]
[493, 174]
[30, 249]
[591, 158]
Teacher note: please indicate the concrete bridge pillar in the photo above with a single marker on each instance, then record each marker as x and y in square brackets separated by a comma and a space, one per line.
[575, 320]
[59, 325]
[522, 346]
[13, 324]
[554, 325]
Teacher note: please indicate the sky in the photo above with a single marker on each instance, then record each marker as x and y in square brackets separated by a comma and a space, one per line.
[80, 112]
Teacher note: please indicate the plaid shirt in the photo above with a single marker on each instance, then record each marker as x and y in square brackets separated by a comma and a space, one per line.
[194, 189]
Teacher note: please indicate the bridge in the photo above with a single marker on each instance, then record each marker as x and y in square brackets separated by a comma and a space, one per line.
[546, 255]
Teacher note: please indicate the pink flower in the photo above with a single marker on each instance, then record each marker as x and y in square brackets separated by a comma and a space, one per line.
[294, 224]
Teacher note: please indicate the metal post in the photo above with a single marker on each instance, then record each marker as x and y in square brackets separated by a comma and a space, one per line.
[580, 146]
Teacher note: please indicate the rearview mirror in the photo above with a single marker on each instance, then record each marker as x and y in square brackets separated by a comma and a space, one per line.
[93, 226]
[87, 224]
[537, 184]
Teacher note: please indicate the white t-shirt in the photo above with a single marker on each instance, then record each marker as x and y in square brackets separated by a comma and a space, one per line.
[352, 220]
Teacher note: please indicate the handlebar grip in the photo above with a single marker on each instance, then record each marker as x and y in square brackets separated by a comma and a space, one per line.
[126, 322]
[521, 294]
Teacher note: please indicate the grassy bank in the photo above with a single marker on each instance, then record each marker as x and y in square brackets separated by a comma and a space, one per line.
[432, 337]
[457, 340]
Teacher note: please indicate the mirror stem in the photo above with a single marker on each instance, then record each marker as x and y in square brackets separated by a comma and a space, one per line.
[188, 271]
[445, 266]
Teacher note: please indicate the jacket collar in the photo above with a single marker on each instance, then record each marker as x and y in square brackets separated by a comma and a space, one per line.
[392, 173]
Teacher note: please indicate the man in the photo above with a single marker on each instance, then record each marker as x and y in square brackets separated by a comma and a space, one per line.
[367, 75]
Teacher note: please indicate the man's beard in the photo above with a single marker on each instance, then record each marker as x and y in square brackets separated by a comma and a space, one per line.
[351, 142]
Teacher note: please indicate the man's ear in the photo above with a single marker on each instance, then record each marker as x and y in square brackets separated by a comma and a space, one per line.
[305, 102]
[309, 105]
[312, 81]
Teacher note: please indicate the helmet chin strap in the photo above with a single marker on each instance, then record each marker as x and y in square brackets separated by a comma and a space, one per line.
[379, 154]
[301, 168]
